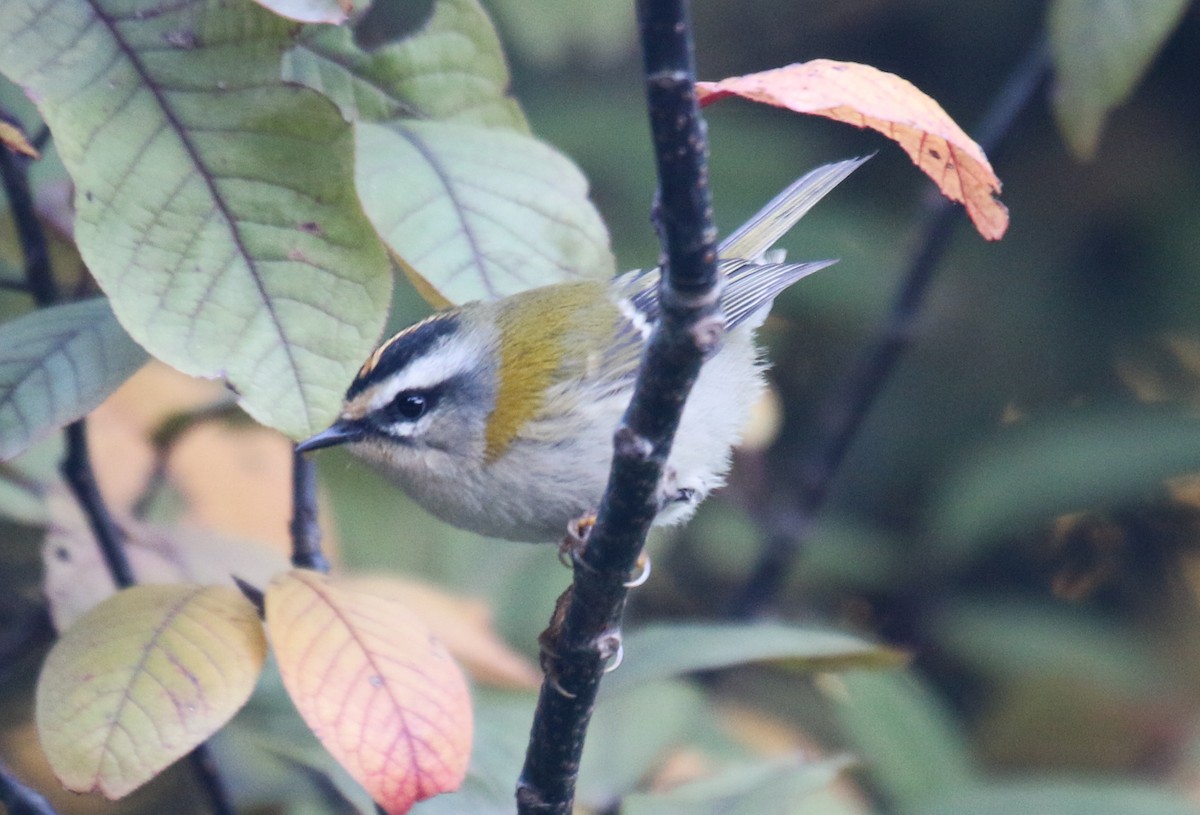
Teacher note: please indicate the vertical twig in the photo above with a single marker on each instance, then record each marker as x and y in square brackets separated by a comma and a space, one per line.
[306, 533]
[846, 410]
[76, 468]
[76, 465]
[39, 280]
[585, 631]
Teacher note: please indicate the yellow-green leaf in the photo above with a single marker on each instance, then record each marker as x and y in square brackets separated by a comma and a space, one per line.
[1101, 50]
[215, 201]
[142, 679]
[480, 213]
[377, 689]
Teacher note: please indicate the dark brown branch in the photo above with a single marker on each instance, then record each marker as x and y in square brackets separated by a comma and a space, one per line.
[39, 280]
[586, 630]
[76, 466]
[306, 533]
[847, 408]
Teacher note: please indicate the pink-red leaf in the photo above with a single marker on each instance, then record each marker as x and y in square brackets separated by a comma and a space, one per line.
[143, 678]
[377, 689]
[868, 97]
[464, 626]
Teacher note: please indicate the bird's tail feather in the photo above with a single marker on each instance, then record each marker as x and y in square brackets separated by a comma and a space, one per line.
[753, 238]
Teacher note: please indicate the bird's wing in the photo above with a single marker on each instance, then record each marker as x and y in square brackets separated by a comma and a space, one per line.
[749, 289]
[750, 284]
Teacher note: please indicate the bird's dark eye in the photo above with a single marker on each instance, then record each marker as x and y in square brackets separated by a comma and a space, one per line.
[411, 405]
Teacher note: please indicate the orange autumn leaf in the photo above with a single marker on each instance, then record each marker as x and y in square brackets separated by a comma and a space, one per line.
[868, 97]
[372, 683]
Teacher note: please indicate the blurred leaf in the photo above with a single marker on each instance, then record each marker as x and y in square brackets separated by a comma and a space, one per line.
[628, 737]
[310, 11]
[1043, 468]
[142, 679]
[865, 96]
[293, 774]
[906, 741]
[1015, 639]
[235, 480]
[380, 693]
[56, 364]
[1101, 49]
[484, 213]
[452, 69]
[76, 579]
[216, 203]
[665, 650]
[1060, 798]
[777, 785]
[21, 499]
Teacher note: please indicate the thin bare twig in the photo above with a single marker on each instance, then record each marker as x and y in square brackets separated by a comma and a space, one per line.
[306, 533]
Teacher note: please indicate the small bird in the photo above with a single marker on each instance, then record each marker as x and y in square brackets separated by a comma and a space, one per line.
[498, 416]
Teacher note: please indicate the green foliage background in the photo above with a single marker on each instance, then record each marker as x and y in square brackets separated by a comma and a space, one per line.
[1005, 515]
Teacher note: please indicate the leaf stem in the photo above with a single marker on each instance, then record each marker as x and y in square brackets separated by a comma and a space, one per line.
[586, 630]
[846, 410]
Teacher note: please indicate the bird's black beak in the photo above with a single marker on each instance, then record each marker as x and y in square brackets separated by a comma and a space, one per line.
[339, 432]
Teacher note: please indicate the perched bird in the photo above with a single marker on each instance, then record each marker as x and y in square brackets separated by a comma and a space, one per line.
[498, 416]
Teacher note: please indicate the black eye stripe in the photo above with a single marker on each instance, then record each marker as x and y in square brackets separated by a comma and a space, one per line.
[400, 351]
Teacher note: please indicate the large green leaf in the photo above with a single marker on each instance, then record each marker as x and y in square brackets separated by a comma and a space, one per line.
[451, 69]
[1101, 49]
[666, 650]
[447, 171]
[215, 202]
[479, 212]
[57, 364]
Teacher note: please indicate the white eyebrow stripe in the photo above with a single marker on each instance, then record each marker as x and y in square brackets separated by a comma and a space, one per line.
[447, 359]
